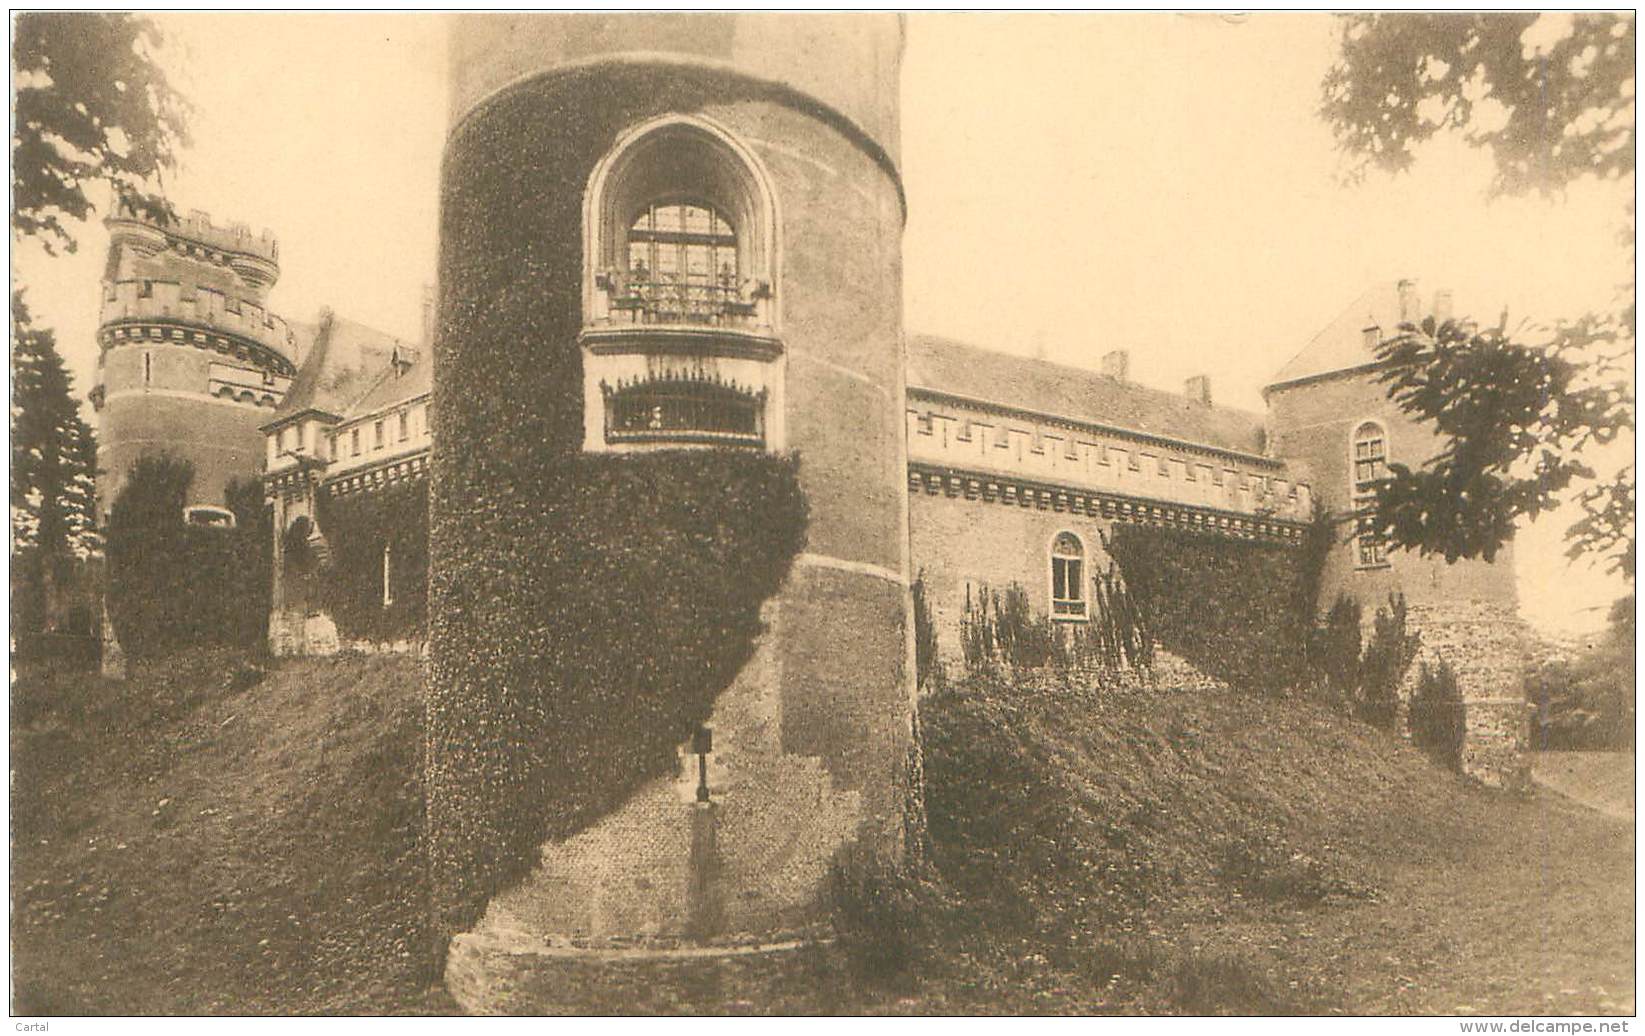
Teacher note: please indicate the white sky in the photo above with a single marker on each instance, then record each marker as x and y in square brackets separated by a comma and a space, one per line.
[1076, 183]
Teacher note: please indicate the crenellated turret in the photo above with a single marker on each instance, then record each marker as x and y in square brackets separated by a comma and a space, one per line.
[191, 361]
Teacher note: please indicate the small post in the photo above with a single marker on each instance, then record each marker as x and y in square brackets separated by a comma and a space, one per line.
[702, 743]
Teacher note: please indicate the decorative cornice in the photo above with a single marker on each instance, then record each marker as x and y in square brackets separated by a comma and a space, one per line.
[1045, 496]
[681, 340]
[403, 469]
[151, 331]
[200, 397]
[1113, 431]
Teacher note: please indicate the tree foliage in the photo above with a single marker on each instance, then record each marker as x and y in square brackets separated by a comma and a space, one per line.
[1514, 421]
[1550, 94]
[90, 104]
[1586, 701]
[53, 451]
[1552, 97]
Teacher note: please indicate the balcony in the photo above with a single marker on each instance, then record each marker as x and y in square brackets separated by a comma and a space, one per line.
[683, 408]
[639, 299]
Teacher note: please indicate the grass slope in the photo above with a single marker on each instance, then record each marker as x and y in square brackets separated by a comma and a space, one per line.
[206, 839]
[1212, 852]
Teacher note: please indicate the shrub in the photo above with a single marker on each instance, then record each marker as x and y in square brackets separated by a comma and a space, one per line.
[1003, 630]
[928, 666]
[172, 585]
[1438, 715]
[1587, 702]
[1334, 648]
[878, 920]
[1387, 657]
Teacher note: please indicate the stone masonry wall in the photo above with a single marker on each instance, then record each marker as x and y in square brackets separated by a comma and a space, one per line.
[1485, 644]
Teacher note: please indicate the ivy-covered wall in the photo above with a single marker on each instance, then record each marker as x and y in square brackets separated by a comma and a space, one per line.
[1240, 610]
[588, 609]
[172, 585]
[357, 527]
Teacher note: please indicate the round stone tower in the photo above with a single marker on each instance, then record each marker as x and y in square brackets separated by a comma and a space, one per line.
[191, 362]
[696, 221]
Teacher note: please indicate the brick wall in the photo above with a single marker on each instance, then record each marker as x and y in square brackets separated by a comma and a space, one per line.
[1313, 424]
[955, 543]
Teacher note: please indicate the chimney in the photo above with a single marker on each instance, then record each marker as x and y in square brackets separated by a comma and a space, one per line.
[1408, 302]
[1198, 388]
[1372, 336]
[428, 316]
[1442, 305]
[1117, 364]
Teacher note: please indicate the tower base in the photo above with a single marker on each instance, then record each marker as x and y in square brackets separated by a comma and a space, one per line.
[516, 974]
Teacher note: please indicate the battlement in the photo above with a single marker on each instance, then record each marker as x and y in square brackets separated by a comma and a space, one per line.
[1143, 467]
[200, 307]
[196, 228]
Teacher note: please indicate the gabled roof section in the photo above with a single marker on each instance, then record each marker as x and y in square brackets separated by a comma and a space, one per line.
[1076, 394]
[344, 363]
[395, 384]
[1341, 345]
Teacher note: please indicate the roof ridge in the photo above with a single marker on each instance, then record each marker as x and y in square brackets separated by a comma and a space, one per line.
[1124, 383]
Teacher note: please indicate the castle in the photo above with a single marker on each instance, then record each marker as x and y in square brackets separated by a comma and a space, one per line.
[713, 256]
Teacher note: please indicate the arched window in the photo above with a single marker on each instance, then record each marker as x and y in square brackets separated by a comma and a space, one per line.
[1067, 577]
[681, 229]
[1370, 465]
[682, 267]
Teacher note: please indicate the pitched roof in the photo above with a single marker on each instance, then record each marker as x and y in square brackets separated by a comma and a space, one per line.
[342, 365]
[1077, 394]
[1341, 344]
[389, 388]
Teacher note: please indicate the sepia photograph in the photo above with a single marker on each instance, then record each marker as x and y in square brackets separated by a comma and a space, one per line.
[679, 514]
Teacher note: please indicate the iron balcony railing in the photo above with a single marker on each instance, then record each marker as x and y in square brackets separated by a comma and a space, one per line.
[684, 409]
[666, 300]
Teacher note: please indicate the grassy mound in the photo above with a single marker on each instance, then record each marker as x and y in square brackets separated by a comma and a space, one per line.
[208, 837]
[1158, 852]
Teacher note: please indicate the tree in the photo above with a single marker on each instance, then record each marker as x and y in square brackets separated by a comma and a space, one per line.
[53, 468]
[1550, 94]
[1552, 97]
[151, 596]
[1515, 422]
[90, 103]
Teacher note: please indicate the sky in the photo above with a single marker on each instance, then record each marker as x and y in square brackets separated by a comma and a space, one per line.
[1076, 183]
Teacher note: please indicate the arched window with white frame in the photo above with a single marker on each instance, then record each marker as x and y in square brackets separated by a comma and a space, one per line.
[1369, 466]
[681, 228]
[1068, 597]
[680, 337]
